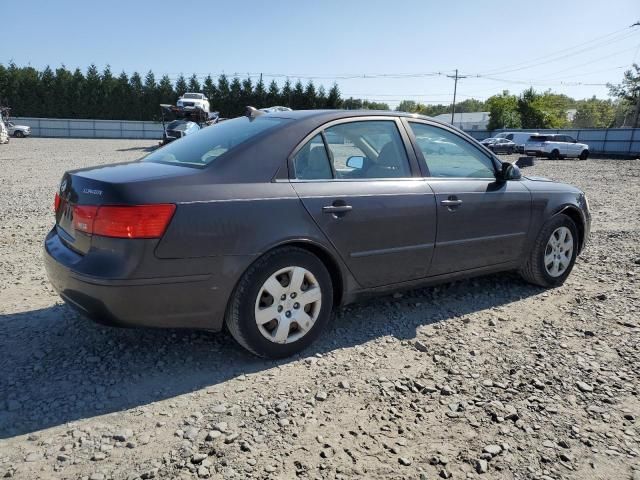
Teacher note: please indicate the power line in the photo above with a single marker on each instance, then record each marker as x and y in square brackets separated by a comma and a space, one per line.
[564, 53]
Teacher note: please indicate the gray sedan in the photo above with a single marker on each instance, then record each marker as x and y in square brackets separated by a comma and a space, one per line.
[264, 225]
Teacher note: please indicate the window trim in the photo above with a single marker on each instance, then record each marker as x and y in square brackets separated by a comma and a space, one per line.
[414, 164]
[464, 137]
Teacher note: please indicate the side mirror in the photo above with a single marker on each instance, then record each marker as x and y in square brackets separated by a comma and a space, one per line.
[509, 171]
[355, 162]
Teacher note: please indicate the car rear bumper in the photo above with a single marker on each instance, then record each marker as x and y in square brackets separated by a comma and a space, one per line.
[184, 301]
[534, 152]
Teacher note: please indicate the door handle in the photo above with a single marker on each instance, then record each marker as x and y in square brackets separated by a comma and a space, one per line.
[337, 209]
[451, 203]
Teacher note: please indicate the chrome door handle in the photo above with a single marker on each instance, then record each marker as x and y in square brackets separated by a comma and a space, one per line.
[451, 203]
[337, 209]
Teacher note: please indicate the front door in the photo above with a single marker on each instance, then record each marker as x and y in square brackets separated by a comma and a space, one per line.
[481, 221]
[356, 181]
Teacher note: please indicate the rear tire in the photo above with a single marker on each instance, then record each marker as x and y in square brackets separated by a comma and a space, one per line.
[274, 335]
[554, 155]
[584, 155]
[543, 252]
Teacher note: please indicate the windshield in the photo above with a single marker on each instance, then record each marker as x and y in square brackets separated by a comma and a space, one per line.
[205, 146]
[193, 95]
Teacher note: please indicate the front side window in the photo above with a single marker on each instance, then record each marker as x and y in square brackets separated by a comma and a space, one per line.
[204, 147]
[370, 149]
[448, 155]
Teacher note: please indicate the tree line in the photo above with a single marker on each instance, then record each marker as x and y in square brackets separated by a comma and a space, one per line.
[62, 93]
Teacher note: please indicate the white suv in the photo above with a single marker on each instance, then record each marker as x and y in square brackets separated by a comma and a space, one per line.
[556, 146]
[191, 101]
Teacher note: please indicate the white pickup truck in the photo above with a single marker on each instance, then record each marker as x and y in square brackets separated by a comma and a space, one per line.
[191, 101]
[556, 146]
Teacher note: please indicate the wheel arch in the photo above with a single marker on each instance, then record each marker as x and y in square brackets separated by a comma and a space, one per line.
[340, 278]
[336, 273]
[573, 212]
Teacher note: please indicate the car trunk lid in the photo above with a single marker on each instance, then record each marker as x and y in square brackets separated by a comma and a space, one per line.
[82, 191]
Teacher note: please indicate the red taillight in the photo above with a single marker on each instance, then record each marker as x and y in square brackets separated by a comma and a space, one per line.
[83, 218]
[56, 202]
[135, 221]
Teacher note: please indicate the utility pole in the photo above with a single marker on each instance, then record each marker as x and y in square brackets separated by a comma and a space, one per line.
[455, 88]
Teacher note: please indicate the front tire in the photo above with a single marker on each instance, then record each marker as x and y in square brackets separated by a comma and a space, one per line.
[554, 253]
[18, 134]
[584, 155]
[281, 304]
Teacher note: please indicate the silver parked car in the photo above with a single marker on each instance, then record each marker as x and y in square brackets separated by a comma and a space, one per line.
[18, 131]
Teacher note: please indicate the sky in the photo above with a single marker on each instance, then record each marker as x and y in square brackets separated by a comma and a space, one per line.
[382, 50]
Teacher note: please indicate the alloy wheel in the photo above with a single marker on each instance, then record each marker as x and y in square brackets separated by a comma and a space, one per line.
[558, 252]
[288, 305]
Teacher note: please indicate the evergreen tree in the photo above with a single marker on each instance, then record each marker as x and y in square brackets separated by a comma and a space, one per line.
[92, 93]
[151, 97]
[61, 93]
[166, 94]
[287, 95]
[181, 86]
[235, 98]
[246, 96]
[194, 84]
[77, 104]
[211, 92]
[297, 96]
[223, 104]
[321, 98]
[108, 109]
[333, 99]
[45, 87]
[310, 100]
[273, 95]
[122, 97]
[260, 95]
[136, 100]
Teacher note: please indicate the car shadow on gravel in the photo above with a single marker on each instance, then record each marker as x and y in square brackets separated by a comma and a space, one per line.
[141, 149]
[58, 367]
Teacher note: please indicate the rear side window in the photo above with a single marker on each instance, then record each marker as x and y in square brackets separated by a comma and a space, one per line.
[448, 155]
[203, 147]
[312, 162]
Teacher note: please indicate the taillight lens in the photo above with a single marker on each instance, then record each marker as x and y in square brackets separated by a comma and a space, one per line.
[56, 202]
[83, 218]
[134, 221]
[137, 221]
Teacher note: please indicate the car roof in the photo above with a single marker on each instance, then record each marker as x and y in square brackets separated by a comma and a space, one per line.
[328, 115]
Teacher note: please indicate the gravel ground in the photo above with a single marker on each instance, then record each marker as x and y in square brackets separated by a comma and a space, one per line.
[486, 378]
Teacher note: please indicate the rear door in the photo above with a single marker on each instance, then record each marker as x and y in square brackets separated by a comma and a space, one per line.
[572, 148]
[363, 188]
[481, 221]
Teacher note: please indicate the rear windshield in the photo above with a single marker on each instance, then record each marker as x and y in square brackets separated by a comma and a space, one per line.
[205, 146]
